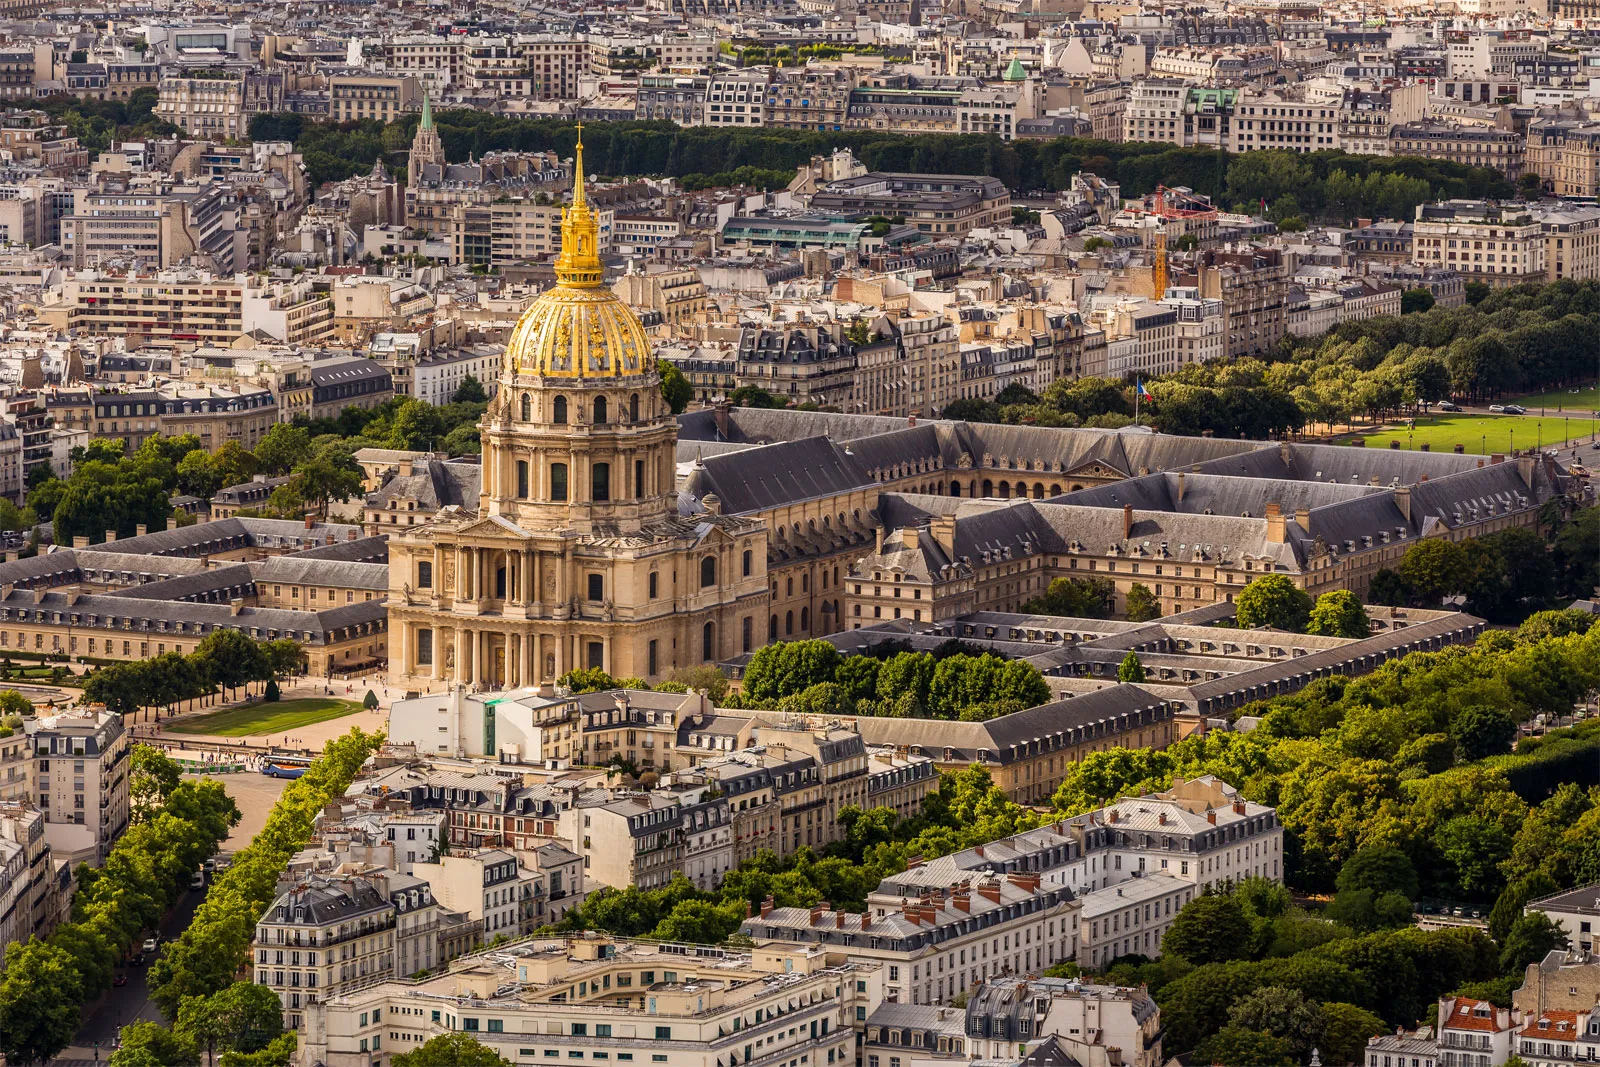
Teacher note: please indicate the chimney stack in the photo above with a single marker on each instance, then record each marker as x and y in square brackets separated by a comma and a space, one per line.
[308, 522]
[1127, 521]
[766, 907]
[111, 535]
[405, 468]
[172, 523]
[1302, 519]
[140, 530]
[1402, 500]
[1180, 487]
[1275, 524]
[943, 529]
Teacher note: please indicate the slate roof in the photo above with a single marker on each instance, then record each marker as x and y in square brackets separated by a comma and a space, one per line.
[758, 479]
[433, 485]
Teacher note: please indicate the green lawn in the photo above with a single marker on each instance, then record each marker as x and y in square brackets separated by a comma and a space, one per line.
[1584, 401]
[1487, 434]
[267, 718]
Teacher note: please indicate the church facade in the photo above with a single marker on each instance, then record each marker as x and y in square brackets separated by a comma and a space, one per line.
[576, 555]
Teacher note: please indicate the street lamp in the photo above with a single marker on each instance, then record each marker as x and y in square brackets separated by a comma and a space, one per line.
[1483, 448]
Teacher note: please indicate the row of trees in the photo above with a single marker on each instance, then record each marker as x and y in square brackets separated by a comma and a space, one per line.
[175, 828]
[1415, 756]
[1330, 184]
[811, 677]
[204, 960]
[1521, 339]
[225, 658]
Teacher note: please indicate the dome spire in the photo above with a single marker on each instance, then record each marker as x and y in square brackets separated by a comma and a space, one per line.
[578, 266]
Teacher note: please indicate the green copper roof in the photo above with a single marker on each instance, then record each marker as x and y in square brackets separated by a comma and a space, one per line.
[427, 111]
[1016, 72]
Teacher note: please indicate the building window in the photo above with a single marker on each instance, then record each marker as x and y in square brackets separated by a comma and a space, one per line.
[424, 648]
[638, 479]
[560, 411]
[527, 408]
[708, 572]
[522, 477]
[747, 627]
[653, 580]
[601, 483]
[708, 642]
[425, 575]
[558, 481]
[597, 587]
[653, 661]
[747, 562]
[597, 655]
[633, 408]
[599, 410]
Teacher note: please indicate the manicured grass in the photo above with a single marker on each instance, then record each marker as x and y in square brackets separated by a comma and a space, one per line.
[267, 718]
[1488, 434]
[1582, 402]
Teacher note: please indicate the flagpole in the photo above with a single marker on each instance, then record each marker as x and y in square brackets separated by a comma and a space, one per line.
[1138, 391]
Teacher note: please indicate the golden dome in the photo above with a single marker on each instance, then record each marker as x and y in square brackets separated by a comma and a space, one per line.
[580, 328]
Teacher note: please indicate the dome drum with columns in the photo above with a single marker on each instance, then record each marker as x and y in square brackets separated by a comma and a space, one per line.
[577, 555]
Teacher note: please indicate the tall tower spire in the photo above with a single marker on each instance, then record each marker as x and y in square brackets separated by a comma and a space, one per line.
[578, 266]
[425, 146]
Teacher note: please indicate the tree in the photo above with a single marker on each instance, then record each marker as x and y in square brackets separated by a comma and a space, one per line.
[325, 478]
[753, 396]
[1211, 928]
[1387, 588]
[1415, 300]
[232, 659]
[285, 656]
[1432, 568]
[1130, 670]
[470, 391]
[147, 1042]
[1380, 868]
[1482, 730]
[587, 680]
[706, 677]
[152, 777]
[39, 998]
[1283, 1013]
[451, 1050]
[1339, 614]
[1532, 937]
[1508, 906]
[789, 667]
[1273, 600]
[1234, 1046]
[1141, 604]
[370, 701]
[284, 448]
[1345, 1029]
[198, 476]
[675, 388]
[244, 1016]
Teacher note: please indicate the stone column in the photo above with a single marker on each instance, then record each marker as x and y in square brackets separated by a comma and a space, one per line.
[437, 587]
[437, 671]
[464, 572]
[405, 648]
[459, 653]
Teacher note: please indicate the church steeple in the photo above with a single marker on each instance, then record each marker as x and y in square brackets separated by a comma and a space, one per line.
[425, 146]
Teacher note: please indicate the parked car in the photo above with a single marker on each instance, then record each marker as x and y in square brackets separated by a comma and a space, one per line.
[1445, 405]
[1515, 409]
[138, 959]
[150, 944]
[198, 879]
[120, 980]
[1498, 409]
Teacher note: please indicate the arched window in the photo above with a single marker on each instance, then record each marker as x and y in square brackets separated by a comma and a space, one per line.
[559, 415]
[788, 622]
[805, 619]
[527, 408]
[988, 487]
[599, 410]
[708, 642]
[522, 477]
[1038, 491]
[601, 483]
[772, 629]
[558, 481]
[708, 572]
[633, 408]
[955, 488]
[1005, 490]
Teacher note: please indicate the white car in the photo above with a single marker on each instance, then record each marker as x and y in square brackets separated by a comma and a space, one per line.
[151, 944]
[1498, 409]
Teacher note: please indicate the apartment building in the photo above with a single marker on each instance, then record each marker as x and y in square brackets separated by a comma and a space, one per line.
[30, 884]
[1499, 245]
[940, 204]
[1276, 120]
[212, 413]
[935, 944]
[1095, 1025]
[490, 887]
[371, 96]
[811, 97]
[1566, 154]
[342, 929]
[209, 107]
[347, 382]
[1129, 918]
[295, 311]
[1473, 146]
[737, 98]
[162, 224]
[679, 98]
[677, 294]
[1571, 242]
[1251, 284]
[1155, 111]
[1475, 1033]
[80, 779]
[168, 306]
[579, 998]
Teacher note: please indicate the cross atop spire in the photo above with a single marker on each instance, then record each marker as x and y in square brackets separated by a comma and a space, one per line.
[578, 265]
[578, 197]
